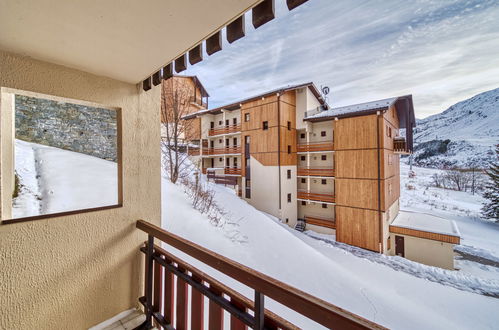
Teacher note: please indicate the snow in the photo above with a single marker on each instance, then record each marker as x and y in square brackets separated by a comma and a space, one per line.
[426, 222]
[368, 106]
[390, 295]
[57, 180]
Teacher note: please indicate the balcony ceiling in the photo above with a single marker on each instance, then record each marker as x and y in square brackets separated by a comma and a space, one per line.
[122, 39]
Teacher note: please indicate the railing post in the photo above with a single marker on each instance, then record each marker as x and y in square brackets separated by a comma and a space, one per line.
[149, 265]
[259, 311]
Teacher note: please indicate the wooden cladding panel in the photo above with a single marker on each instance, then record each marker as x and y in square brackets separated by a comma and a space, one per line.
[193, 129]
[390, 165]
[355, 133]
[270, 158]
[424, 234]
[289, 97]
[357, 193]
[259, 111]
[357, 164]
[357, 227]
[390, 192]
[288, 113]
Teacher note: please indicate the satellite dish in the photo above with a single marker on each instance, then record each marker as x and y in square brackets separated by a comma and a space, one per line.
[325, 90]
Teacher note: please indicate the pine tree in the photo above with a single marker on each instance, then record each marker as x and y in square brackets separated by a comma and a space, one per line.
[491, 208]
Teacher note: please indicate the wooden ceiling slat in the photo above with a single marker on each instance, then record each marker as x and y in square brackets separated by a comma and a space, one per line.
[196, 54]
[156, 78]
[181, 64]
[167, 71]
[214, 43]
[263, 13]
[146, 84]
[236, 29]
[292, 4]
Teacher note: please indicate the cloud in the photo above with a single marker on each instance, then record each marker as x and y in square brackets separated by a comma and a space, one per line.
[439, 51]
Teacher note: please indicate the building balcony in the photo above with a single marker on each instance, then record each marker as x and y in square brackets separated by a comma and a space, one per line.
[225, 130]
[320, 221]
[167, 295]
[193, 151]
[315, 146]
[315, 171]
[222, 151]
[400, 146]
[198, 102]
[317, 197]
[233, 171]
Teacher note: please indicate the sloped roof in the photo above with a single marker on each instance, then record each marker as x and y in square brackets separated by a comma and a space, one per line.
[235, 105]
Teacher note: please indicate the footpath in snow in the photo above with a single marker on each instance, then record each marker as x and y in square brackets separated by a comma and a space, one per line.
[384, 294]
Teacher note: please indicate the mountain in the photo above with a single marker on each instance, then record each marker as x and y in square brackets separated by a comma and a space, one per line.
[464, 135]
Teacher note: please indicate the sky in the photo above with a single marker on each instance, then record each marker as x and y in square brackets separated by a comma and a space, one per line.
[441, 52]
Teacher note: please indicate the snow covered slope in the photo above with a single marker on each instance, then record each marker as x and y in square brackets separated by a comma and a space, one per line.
[56, 180]
[384, 294]
[472, 126]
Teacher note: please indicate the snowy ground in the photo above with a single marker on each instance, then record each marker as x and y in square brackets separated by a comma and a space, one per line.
[56, 180]
[392, 291]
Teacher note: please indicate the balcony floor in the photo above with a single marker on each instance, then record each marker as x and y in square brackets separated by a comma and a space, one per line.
[124, 321]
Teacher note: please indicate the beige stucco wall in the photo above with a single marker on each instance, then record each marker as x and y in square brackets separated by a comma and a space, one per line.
[425, 251]
[388, 218]
[288, 186]
[76, 271]
[7, 131]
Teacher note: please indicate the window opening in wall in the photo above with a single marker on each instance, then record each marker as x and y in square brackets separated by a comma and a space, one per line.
[302, 158]
[303, 180]
[227, 122]
[289, 198]
[220, 122]
[323, 181]
[324, 157]
[212, 125]
[289, 125]
[303, 203]
[221, 159]
[265, 125]
[289, 174]
[234, 121]
[324, 206]
[287, 220]
[289, 149]
[212, 144]
[227, 142]
[302, 135]
[246, 117]
[219, 140]
[234, 141]
[323, 133]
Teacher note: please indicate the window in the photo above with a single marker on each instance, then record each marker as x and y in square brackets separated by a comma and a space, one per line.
[265, 125]
[212, 144]
[289, 198]
[212, 124]
[220, 159]
[323, 181]
[235, 162]
[234, 121]
[302, 158]
[234, 141]
[227, 142]
[388, 245]
[248, 189]
[287, 220]
[324, 206]
[289, 149]
[219, 140]
[289, 174]
[303, 203]
[227, 122]
[246, 117]
[323, 133]
[389, 131]
[303, 180]
[324, 157]
[302, 135]
[227, 162]
[219, 122]
[289, 125]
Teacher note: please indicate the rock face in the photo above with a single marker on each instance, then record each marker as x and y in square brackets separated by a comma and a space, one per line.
[78, 128]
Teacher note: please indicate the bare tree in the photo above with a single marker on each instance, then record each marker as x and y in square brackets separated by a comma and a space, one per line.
[175, 104]
[458, 178]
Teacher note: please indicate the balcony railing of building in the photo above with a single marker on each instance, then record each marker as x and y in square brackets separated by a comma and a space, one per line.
[222, 151]
[400, 146]
[315, 146]
[168, 302]
[318, 197]
[233, 171]
[315, 171]
[225, 130]
[193, 151]
[320, 221]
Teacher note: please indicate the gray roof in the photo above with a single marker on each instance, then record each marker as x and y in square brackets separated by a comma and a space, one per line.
[356, 108]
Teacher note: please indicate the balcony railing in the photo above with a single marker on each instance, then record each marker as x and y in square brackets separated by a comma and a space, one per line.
[315, 146]
[193, 151]
[318, 197]
[168, 302]
[225, 130]
[400, 146]
[315, 171]
[198, 102]
[222, 151]
[320, 221]
[233, 171]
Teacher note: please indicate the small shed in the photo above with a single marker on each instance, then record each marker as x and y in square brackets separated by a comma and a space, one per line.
[424, 238]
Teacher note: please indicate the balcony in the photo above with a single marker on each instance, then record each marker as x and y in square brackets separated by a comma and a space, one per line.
[315, 171]
[400, 146]
[193, 151]
[225, 130]
[315, 146]
[320, 221]
[233, 171]
[222, 151]
[318, 197]
[167, 295]
[198, 102]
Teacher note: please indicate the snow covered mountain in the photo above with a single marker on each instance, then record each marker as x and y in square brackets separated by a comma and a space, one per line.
[464, 135]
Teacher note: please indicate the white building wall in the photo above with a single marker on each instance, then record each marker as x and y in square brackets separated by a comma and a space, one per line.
[289, 210]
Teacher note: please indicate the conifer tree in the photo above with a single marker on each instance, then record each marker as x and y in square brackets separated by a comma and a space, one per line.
[491, 207]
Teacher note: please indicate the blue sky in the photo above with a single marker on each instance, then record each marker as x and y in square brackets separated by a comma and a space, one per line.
[441, 52]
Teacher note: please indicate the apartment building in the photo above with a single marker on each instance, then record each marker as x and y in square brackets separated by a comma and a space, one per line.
[333, 171]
